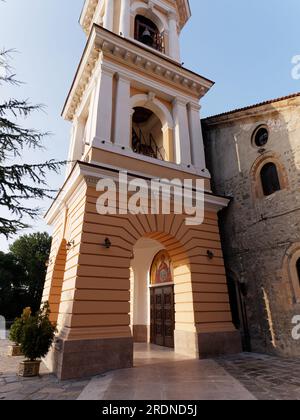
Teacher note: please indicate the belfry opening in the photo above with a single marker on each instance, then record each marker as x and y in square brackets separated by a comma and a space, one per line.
[147, 134]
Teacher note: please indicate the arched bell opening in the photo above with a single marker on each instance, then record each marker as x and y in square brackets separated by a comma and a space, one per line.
[148, 33]
[147, 134]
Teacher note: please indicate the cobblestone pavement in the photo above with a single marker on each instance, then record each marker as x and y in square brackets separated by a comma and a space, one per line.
[45, 387]
[266, 377]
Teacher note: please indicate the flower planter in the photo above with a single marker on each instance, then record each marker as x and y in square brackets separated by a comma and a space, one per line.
[29, 369]
[15, 351]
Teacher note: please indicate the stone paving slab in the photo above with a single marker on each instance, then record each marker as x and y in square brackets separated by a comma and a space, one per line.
[45, 387]
[266, 377]
[159, 374]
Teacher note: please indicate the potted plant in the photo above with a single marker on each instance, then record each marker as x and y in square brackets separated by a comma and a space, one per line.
[36, 339]
[15, 333]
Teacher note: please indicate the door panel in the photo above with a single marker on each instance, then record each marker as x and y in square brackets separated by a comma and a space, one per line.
[162, 316]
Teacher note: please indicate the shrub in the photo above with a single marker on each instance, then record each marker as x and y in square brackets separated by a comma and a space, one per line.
[37, 334]
[15, 333]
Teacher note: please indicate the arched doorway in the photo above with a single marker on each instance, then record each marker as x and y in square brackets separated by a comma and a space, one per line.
[162, 305]
[153, 291]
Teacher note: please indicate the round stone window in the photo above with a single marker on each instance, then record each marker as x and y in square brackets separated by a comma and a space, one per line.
[261, 137]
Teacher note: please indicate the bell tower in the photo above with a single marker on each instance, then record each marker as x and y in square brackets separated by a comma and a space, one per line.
[154, 23]
[138, 99]
[133, 108]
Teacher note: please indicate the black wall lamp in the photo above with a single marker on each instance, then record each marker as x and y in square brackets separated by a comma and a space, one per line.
[107, 243]
[70, 245]
[210, 255]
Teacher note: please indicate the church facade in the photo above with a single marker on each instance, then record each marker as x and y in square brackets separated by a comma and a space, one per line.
[116, 279]
[254, 157]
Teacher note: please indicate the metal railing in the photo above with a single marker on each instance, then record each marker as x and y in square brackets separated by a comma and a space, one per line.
[145, 147]
[158, 42]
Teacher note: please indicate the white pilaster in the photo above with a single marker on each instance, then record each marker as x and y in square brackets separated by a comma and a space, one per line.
[76, 146]
[174, 48]
[108, 21]
[182, 134]
[197, 145]
[123, 113]
[102, 108]
[125, 18]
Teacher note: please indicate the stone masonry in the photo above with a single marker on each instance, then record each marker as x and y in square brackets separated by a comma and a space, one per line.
[260, 233]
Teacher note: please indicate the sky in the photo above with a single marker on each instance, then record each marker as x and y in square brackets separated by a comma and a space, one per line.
[246, 47]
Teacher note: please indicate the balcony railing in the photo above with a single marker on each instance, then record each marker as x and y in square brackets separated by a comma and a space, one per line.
[145, 147]
[156, 41]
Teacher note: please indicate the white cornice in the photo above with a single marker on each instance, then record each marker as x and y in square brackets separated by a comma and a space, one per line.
[184, 11]
[87, 14]
[107, 44]
[84, 172]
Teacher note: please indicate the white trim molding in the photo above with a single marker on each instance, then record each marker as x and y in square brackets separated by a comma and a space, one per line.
[103, 43]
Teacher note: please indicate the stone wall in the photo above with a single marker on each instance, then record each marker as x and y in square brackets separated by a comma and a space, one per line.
[259, 231]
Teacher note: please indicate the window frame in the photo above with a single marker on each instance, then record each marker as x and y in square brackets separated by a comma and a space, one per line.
[256, 184]
[255, 132]
[292, 257]
[268, 185]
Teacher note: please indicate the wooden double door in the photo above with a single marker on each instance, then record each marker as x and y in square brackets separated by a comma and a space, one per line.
[162, 316]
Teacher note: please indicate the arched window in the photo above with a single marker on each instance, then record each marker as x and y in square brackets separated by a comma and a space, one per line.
[148, 33]
[270, 179]
[291, 270]
[298, 269]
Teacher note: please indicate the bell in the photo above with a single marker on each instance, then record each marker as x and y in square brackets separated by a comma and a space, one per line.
[147, 38]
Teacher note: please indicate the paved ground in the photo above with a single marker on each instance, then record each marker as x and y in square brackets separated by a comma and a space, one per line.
[266, 377]
[46, 387]
[159, 374]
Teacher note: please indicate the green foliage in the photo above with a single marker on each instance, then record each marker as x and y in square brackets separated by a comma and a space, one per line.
[19, 182]
[37, 334]
[16, 330]
[22, 274]
[13, 291]
[32, 253]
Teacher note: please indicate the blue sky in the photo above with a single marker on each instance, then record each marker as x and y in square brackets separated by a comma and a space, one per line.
[246, 47]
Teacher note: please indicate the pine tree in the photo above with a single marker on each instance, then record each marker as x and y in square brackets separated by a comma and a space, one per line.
[19, 182]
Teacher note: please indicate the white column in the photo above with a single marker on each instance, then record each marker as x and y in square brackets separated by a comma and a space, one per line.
[197, 145]
[123, 113]
[102, 109]
[174, 48]
[182, 134]
[108, 21]
[125, 18]
[76, 146]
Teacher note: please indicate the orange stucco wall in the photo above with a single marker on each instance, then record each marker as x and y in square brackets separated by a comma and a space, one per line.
[95, 287]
